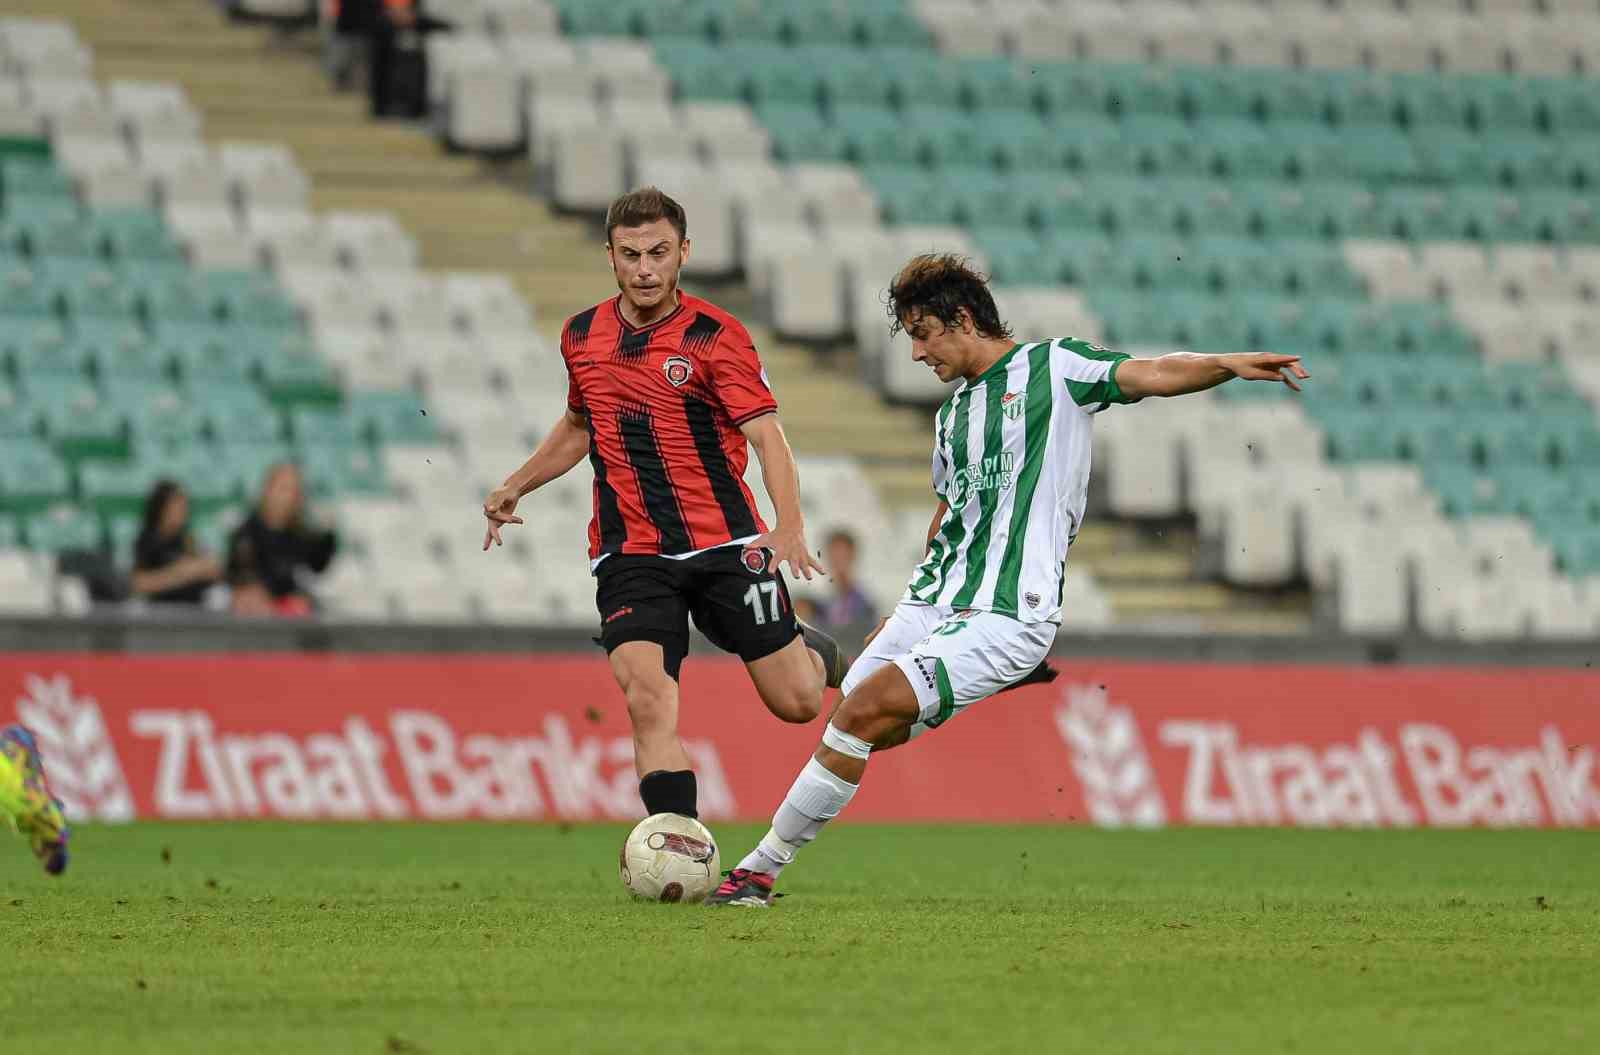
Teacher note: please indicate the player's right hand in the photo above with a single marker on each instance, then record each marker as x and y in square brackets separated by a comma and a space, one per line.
[500, 508]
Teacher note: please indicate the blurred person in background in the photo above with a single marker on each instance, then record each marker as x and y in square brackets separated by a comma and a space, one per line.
[167, 567]
[276, 546]
[396, 69]
[848, 605]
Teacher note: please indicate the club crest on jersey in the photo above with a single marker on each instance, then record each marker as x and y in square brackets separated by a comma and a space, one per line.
[755, 560]
[1032, 599]
[677, 370]
[1011, 405]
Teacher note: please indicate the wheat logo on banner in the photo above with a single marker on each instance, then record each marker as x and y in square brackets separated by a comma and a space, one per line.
[78, 754]
[1108, 755]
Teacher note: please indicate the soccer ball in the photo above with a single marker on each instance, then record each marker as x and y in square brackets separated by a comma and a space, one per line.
[670, 857]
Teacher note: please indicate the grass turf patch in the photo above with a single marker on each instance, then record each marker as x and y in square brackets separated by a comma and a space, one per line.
[470, 938]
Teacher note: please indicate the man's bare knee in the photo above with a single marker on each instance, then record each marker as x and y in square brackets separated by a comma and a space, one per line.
[652, 704]
[796, 706]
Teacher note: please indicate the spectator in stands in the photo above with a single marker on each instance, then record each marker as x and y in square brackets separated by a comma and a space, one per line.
[848, 606]
[397, 78]
[166, 565]
[276, 547]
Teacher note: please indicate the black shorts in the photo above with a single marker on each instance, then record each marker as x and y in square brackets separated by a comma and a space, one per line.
[740, 606]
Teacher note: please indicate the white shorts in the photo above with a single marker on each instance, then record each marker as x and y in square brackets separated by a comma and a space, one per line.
[952, 658]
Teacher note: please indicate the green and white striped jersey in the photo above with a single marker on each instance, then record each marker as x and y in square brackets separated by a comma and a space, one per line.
[1011, 460]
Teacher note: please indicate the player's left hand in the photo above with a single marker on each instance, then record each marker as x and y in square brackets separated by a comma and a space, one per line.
[788, 546]
[1267, 366]
[500, 508]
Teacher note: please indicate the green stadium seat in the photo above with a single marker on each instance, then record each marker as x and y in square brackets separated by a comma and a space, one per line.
[700, 71]
[1429, 102]
[1168, 264]
[86, 431]
[1580, 163]
[1244, 150]
[1207, 208]
[1432, 436]
[62, 529]
[180, 425]
[918, 78]
[1569, 105]
[597, 20]
[1356, 98]
[817, 23]
[299, 376]
[1165, 146]
[97, 300]
[52, 361]
[1080, 256]
[1215, 327]
[244, 464]
[1237, 265]
[1282, 210]
[1286, 95]
[1073, 88]
[1130, 318]
[989, 85]
[23, 297]
[134, 235]
[879, 26]
[1012, 139]
[1213, 93]
[904, 190]
[1422, 214]
[944, 136]
[778, 75]
[32, 476]
[1138, 207]
[1286, 329]
[1061, 205]
[1558, 216]
[1576, 546]
[1141, 91]
[1378, 155]
[876, 135]
[850, 76]
[182, 300]
[1528, 161]
[1510, 449]
[983, 196]
[1095, 146]
[262, 307]
[1347, 210]
[1314, 268]
[328, 426]
[799, 134]
[393, 416]
[1016, 257]
[1356, 434]
[334, 471]
[1500, 104]
[34, 178]
[1452, 156]
[1463, 491]
[61, 236]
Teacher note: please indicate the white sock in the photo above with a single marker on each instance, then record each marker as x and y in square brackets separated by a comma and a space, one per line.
[816, 797]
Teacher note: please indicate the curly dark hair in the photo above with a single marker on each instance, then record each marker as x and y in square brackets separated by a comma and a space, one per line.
[939, 286]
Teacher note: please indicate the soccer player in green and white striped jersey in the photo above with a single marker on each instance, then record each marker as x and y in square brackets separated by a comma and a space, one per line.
[1011, 471]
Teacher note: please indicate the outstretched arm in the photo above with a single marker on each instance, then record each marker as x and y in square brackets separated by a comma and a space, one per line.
[562, 448]
[787, 539]
[1180, 373]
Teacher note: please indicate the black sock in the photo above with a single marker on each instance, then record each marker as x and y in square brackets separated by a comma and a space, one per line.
[669, 791]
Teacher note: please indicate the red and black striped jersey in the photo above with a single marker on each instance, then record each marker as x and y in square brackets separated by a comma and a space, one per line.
[664, 403]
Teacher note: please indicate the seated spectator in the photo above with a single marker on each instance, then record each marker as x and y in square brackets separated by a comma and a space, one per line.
[848, 605]
[275, 547]
[166, 565]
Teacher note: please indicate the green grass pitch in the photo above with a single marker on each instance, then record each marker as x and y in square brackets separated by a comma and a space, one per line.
[480, 938]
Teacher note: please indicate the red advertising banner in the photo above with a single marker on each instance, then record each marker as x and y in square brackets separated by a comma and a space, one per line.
[546, 738]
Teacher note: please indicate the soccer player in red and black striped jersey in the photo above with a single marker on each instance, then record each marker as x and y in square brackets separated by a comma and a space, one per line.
[665, 391]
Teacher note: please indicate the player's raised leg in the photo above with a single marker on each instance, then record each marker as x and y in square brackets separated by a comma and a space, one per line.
[961, 658]
[26, 802]
[881, 710]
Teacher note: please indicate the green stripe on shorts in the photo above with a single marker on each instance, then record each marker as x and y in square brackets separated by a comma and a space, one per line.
[947, 695]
